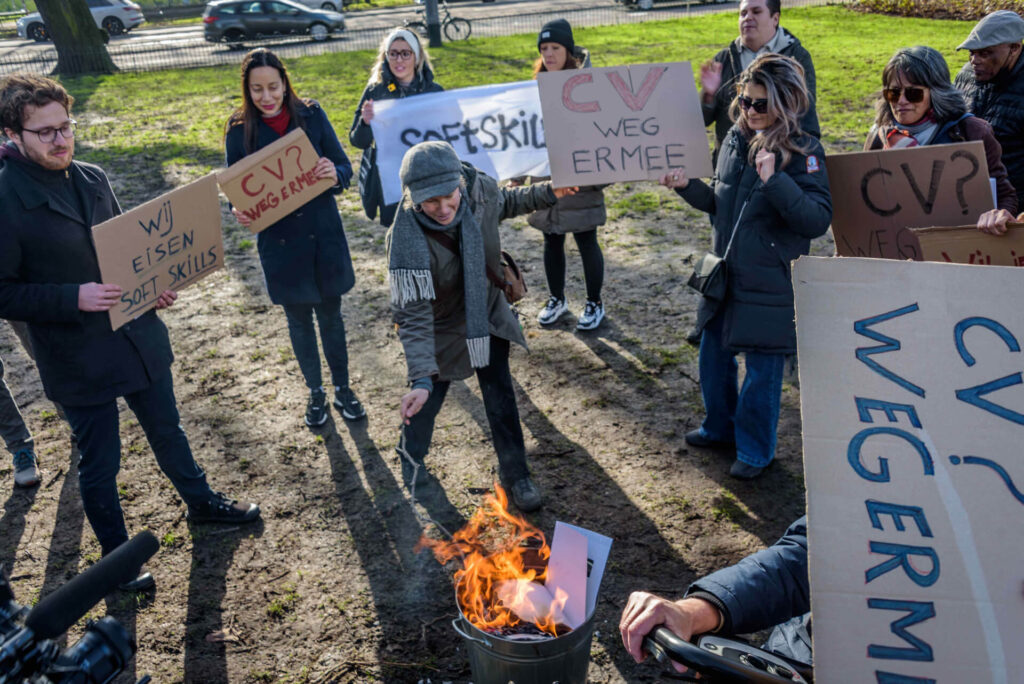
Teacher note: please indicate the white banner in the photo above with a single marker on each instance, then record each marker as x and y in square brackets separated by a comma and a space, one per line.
[496, 128]
[913, 417]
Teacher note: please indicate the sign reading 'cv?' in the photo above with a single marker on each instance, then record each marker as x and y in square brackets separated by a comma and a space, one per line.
[274, 181]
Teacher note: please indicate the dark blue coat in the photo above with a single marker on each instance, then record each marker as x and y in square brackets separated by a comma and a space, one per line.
[305, 255]
[46, 252]
[778, 223]
[768, 588]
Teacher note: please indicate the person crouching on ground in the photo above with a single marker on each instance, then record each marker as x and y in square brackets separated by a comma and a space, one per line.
[770, 197]
[452, 319]
[304, 255]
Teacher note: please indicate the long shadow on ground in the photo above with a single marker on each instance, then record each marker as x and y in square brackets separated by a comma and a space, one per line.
[213, 552]
[410, 591]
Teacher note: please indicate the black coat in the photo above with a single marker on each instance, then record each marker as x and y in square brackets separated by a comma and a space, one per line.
[770, 587]
[717, 111]
[304, 255]
[46, 252]
[1001, 103]
[361, 135]
[777, 226]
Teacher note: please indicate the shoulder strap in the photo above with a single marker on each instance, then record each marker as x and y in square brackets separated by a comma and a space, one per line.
[449, 243]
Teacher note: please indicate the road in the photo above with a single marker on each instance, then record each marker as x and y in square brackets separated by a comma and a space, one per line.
[184, 46]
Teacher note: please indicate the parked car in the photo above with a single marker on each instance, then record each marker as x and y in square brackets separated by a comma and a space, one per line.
[332, 5]
[114, 16]
[231, 21]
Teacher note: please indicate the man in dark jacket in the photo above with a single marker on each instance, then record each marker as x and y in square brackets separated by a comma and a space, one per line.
[768, 588]
[992, 82]
[49, 277]
[759, 33]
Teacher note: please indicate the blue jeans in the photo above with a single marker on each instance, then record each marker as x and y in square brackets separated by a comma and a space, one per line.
[749, 417]
[99, 442]
[332, 335]
[12, 427]
[502, 415]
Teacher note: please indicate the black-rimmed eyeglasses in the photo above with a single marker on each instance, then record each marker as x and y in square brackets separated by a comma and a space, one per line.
[48, 135]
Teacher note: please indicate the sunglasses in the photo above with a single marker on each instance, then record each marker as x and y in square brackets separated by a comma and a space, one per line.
[760, 105]
[913, 94]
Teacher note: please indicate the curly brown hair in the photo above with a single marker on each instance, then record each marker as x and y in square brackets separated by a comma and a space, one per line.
[19, 91]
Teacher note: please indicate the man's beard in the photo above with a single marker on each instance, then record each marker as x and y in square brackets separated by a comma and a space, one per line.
[48, 162]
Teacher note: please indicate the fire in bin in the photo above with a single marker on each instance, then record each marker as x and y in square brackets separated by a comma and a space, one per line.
[500, 584]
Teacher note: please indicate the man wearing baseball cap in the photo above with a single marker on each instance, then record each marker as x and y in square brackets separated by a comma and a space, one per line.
[992, 82]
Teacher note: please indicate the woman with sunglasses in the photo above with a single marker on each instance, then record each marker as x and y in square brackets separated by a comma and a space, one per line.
[305, 256]
[919, 106]
[402, 69]
[769, 198]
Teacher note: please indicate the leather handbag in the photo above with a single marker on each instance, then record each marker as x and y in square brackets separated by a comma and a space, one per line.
[710, 275]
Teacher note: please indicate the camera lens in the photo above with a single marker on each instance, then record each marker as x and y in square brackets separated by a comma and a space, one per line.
[99, 655]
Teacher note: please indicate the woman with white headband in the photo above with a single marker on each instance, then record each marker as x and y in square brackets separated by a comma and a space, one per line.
[402, 69]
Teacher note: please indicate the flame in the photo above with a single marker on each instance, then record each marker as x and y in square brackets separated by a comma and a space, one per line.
[503, 566]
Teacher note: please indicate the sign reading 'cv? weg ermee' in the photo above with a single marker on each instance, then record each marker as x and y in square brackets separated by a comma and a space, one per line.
[274, 181]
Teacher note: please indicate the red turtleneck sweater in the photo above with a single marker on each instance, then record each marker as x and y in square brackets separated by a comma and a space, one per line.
[279, 122]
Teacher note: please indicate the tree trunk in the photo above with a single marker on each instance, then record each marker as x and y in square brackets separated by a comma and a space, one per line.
[81, 48]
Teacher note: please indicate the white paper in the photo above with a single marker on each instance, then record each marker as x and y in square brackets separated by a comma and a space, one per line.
[567, 572]
[471, 120]
[598, 548]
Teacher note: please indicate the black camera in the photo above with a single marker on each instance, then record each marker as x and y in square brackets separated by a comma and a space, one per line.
[29, 651]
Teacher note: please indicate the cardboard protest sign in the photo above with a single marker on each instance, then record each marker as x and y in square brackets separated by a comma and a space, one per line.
[274, 181]
[496, 128]
[878, 196]
[913, 414]
[968, 245]
[633, 122]
[165, 244]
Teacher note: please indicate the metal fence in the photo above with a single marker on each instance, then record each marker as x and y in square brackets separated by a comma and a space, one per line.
[188, 49]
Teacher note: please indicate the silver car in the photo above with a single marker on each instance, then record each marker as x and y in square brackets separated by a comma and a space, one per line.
[233, 21]
[114, 16]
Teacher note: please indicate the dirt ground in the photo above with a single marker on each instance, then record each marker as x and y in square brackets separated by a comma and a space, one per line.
[327, 588]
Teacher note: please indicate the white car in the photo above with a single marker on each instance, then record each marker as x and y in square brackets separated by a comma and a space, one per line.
[115, 16]
[332, 5]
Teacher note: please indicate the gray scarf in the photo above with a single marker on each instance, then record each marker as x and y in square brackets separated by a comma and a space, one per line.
[411, 280]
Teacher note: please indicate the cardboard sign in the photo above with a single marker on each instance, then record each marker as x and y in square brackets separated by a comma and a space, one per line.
[167, 243]
[274, 181]
[913, 414]
[967, 245]
[878, 196]
[496, 128]
[624, 123]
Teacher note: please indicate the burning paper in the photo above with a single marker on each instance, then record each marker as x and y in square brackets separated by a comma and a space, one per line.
[510, 578]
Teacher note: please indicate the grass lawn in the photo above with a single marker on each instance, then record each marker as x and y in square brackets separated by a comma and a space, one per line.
[173, 119]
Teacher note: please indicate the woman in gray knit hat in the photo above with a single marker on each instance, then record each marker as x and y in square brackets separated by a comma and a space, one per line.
[444, 254]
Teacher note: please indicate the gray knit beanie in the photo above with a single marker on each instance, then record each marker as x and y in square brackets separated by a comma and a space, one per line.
[430, 169]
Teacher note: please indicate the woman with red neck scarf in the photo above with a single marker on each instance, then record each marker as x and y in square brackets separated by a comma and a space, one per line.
[919, 106]
[305, 255]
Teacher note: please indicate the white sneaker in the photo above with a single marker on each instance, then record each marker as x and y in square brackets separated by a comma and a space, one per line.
[593, 314]
[552, 311]
[26, 472]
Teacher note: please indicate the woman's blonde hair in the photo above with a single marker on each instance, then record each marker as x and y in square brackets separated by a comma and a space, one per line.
[422, 62]
[783, 80]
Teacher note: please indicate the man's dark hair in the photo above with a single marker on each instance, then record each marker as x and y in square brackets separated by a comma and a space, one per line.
[774, 7]
[23, 90]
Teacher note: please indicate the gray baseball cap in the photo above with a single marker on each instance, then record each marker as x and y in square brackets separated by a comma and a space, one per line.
[996, 28]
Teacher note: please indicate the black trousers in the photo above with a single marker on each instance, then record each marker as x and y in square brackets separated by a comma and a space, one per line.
[502, 415]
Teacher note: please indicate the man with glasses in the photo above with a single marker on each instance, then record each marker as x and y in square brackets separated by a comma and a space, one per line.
[992, 81]
[759, 33]
[50, 278]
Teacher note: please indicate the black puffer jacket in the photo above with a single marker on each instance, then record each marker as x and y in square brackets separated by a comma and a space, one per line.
[361, 135]
[1001, 103]
[717, 110]
[777, 225]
